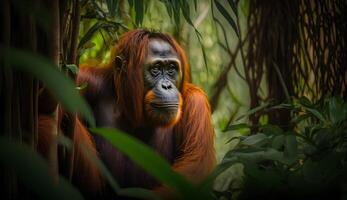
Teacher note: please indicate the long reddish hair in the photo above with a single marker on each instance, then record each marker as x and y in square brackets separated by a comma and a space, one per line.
[132, 49]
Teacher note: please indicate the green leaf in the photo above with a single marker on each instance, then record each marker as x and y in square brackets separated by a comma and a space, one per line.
[98, 9]
[33, 171]
[139, 10]
[195, 5]
[270, 129]
[112, 7]
[264, 178]
[254, 110]
[149, 160]
[169, 9]
[256, 156]
[56, 82]
[224, 165]
[236, 127]
[198, 35]
[131, 3]
[255, 140]
[316, 113]
[283, 84]
[73, 68]
[278, 142]
[90, 33]
[300, 118]
[233, 6]
[305, 101]
[175, 4]
[89, 45]
[232, 139]
[336, 110]
[226, 15]
[290, 147]
[283, 106]
[127, 192]
[186, 11]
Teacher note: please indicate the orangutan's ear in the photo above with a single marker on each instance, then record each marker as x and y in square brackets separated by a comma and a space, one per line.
[119, 63]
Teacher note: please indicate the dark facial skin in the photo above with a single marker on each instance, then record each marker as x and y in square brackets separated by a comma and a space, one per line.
[162, 78]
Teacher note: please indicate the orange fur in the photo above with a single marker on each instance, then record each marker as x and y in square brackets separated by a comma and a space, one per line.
[192, 126]
[195, 136]
[84, 167]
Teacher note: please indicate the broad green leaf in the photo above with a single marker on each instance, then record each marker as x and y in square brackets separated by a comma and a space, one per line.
[207, 183]
[264, 178]
[226, 15]
[336, 110]
[126, 192]
[255, 140]
[149, 160]
[33, 171]
[290, 146]
[323, 137]
[270, 129]
[316, 113]
[55, 81]
[300, 118]
[237, 127]
[278, 142]
[73, 68]
[257, 156]
[232, 139]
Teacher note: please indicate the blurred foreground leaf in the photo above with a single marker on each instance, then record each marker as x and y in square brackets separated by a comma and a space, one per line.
[151, 161]
[32, 170]
[56, 82]
[140, 193]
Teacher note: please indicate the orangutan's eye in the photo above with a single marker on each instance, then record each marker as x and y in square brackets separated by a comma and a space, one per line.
[155, 70]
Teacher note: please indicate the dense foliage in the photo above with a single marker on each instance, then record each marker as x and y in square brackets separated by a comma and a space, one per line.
[304, 158]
